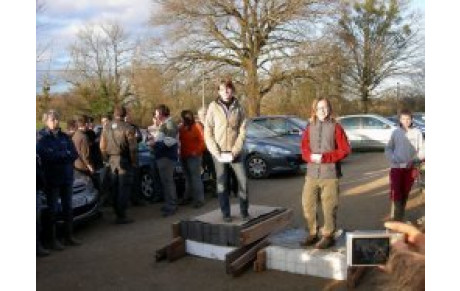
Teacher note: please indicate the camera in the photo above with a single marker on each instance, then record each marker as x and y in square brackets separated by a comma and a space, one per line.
[370, 248]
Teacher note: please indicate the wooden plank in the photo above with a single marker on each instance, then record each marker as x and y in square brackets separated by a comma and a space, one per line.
[262, 217]
[257, 231]
[175, 227]
[176, 249]
[354, 274]
[245, 260]
[160, 254]
[260, 264]
[232, 256]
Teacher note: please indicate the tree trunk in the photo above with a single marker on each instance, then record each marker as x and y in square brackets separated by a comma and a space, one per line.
[253, 90]
[364, 99]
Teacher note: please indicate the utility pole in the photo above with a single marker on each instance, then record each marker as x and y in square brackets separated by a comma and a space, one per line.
[397, 97]
[202, 93]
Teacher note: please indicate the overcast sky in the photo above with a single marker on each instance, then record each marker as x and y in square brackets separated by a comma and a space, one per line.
[62, 19]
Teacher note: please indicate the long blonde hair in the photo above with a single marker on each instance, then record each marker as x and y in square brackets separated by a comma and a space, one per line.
[313, 117]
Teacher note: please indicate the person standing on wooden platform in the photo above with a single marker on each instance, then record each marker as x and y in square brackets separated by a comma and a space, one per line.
[225, 131]
[324, 145]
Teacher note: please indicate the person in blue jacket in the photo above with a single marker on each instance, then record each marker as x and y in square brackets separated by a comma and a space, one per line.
[57, 153]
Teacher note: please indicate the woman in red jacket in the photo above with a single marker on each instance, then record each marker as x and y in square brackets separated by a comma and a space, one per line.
[324, 145]
[192, 147]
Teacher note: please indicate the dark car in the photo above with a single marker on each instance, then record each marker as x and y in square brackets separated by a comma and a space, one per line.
[147, 179]
[85, 200]
[290, 126]
[267, 152]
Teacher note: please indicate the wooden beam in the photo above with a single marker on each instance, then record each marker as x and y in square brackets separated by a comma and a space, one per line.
[175, 229]
[160, 254]
[257, 231]
[244, 261]
[260, 264]
[176, 249]
[172, 251]
[232, 256]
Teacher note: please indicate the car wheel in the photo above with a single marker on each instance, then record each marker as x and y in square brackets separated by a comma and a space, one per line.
[147, 189]
[257, 167]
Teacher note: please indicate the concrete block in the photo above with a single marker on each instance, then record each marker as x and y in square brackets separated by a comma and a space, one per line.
[205, 250]
[320, 263]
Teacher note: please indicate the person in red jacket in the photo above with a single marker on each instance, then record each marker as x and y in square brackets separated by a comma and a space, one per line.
[324, 145]
[192, 147]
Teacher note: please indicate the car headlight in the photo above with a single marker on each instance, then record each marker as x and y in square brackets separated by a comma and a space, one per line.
[277, 151]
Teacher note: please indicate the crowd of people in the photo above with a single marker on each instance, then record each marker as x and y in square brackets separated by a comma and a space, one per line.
[218, 136]
[195, 143]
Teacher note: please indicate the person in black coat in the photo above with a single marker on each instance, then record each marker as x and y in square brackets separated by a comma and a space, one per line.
[58, 154]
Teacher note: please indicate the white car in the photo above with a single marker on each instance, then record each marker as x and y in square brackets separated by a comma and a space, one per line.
[367, 130]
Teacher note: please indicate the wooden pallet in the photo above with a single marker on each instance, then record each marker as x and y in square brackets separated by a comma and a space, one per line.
[210, 228]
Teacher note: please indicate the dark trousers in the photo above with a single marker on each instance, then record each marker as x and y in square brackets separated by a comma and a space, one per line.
[52, 194]
[401, 181]
[223, 191]
[121, 181]
[38, 229]
[136, 187]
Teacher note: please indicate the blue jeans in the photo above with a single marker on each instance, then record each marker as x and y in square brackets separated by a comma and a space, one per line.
[157, 187]
[223, 191]
[192, 171]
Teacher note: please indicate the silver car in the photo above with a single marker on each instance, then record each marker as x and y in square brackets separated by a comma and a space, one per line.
[367, 130]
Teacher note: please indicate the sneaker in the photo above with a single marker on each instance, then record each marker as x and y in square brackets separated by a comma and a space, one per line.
[42, 252]
[325, 242]
[56, 246]
[227, 219]
[246, 217]
[311, 240]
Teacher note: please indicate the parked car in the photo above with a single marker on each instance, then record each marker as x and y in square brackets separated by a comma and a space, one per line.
[85, 200]
[147, 180]
[287, 125]
[416, 123]
[419, 117]
[367, 130]
[266, 152]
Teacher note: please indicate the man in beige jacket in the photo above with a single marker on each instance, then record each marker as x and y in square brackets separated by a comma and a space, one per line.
[224, 133]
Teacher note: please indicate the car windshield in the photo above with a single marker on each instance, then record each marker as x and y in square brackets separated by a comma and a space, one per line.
[393, 120]
[299, 122]
[258, 131]
[418, 117]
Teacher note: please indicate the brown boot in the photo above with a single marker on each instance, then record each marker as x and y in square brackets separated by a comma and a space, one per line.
[311, 240]
[325, 242]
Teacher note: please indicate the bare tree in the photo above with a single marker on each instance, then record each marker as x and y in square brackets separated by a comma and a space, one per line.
[264, 41]
[41, 46]
[380, 39]
[99, 58]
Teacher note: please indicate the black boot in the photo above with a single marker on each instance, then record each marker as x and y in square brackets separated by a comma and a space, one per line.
[69, 239]
[55, 244]
[41, 251]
